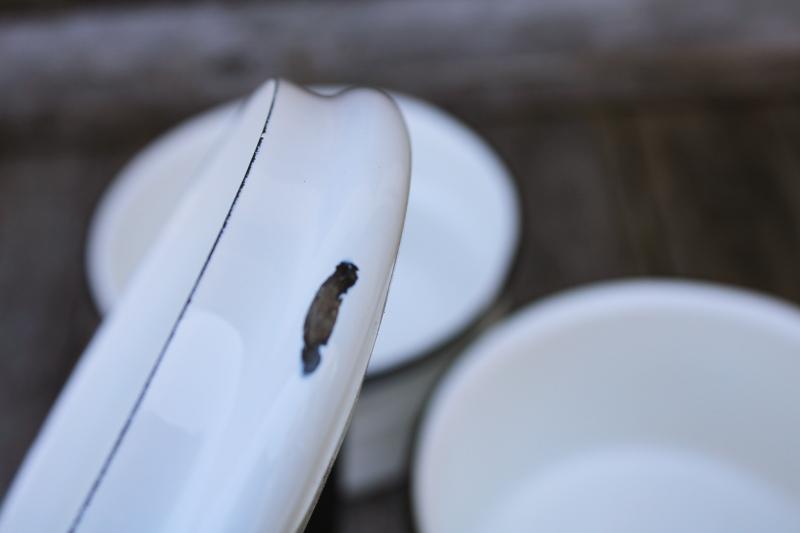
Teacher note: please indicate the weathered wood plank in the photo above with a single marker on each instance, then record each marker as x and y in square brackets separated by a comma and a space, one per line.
[781, 135]
[133, 69]
[631, 180]
[726, 214]
[46, 316]
[572, 224]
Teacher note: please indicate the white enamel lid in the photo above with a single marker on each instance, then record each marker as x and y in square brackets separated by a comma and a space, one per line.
[459, 241]
[215, 395]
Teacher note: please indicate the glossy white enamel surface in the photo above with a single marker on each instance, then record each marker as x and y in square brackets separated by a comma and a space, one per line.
[632, 406]
[189, 411]
[460, 237]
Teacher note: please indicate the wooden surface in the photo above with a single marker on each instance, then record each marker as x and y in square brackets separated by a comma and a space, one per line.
[651, 137]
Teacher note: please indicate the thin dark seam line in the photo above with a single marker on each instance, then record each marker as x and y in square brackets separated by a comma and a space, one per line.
[137, 404]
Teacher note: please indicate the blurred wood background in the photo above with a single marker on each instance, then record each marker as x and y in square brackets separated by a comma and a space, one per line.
[648, 137]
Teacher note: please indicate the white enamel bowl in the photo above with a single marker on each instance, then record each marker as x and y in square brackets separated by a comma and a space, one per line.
[632, 406]
[459, 240]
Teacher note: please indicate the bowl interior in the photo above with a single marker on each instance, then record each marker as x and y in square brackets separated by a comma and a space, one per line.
[620, 407]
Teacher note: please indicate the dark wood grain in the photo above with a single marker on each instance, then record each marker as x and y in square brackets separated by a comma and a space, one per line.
[570, 211]
[647, 137]
[71, 71]
[46, 316]
[727, 211]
